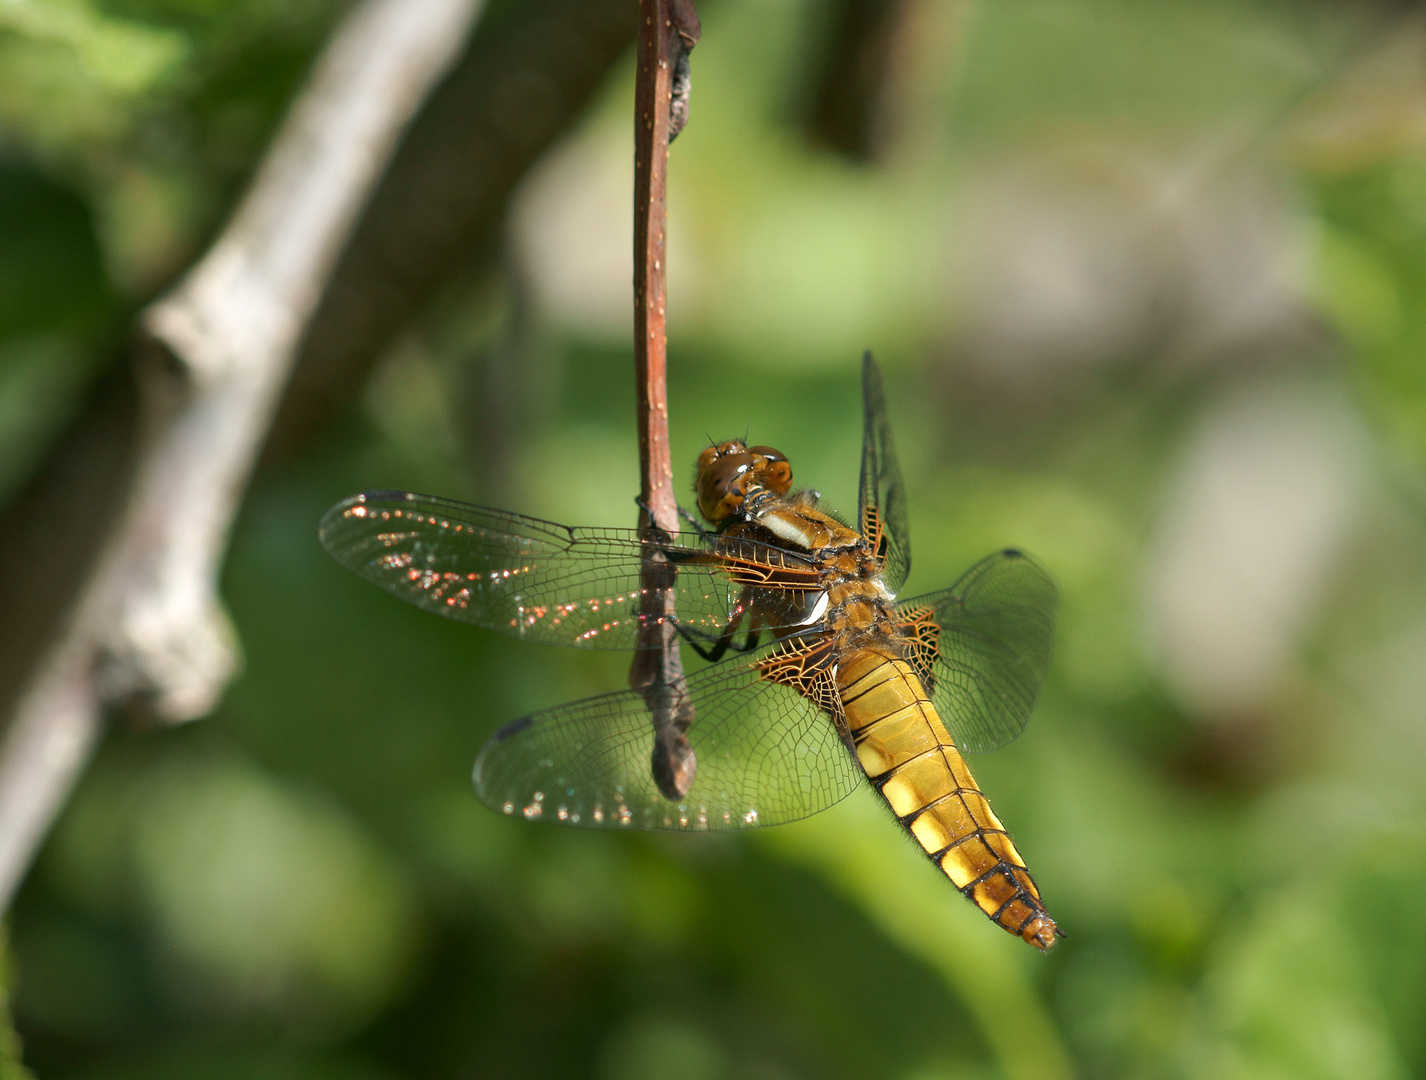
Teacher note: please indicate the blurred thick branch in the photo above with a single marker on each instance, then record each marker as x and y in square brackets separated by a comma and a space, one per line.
[440, 208]
[850, 111]
[146, 622]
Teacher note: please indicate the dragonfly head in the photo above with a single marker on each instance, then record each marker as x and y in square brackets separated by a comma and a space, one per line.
[729, 472]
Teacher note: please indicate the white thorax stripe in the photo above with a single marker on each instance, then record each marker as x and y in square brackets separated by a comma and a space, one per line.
[785, 530]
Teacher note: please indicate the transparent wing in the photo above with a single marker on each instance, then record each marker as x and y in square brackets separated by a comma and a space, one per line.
[765, 754]
[538, 580]
[983, 647]
[882, 505]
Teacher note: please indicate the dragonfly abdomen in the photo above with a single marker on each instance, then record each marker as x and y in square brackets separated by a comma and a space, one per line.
[907, 753]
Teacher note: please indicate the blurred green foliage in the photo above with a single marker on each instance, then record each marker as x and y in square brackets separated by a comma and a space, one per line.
[126, 129]
[1374, 287]
[303, 885]
[10, 1065]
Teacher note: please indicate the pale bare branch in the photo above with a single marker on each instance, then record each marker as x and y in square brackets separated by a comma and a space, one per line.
[148, 623]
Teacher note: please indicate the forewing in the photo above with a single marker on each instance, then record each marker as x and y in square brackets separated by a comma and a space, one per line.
[983, 645]
[535, 579]
[765, 755]
[882, 505]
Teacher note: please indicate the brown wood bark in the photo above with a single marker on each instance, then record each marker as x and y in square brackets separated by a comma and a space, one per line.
[665, 36]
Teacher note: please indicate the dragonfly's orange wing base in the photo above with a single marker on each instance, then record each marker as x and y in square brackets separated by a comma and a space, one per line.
[808, 670]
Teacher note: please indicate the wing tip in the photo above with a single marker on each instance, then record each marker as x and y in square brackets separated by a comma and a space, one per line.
[341, 510]
[479, 771]
[334, 516]
[513, 728]
[871, 371]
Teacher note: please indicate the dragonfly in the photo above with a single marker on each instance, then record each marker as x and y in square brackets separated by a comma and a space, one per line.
[818, 678]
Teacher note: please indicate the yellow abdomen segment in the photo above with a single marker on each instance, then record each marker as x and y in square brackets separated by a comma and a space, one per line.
[909, 756]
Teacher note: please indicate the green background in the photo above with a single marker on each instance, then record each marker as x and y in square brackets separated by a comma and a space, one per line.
[1148, 283]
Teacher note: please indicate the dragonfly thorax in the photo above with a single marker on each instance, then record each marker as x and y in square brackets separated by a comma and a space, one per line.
[744, 491]
[851, 603]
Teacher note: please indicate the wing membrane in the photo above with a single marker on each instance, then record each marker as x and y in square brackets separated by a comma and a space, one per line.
[765, 753]
[535, 579]
[882, 505]
[983, 646]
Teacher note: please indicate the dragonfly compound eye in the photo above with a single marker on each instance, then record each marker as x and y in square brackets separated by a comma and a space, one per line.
[720, 450]
[772, 469]
[723, 484]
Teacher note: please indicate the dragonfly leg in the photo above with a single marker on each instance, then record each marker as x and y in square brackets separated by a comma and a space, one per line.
[696, 639]
[750, 641]
[692, 519]
[711, 653]
[653, 525]
[683, 512]
[724, 641]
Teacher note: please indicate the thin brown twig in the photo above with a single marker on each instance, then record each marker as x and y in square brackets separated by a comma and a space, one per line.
[668, 30]
[148, 623]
